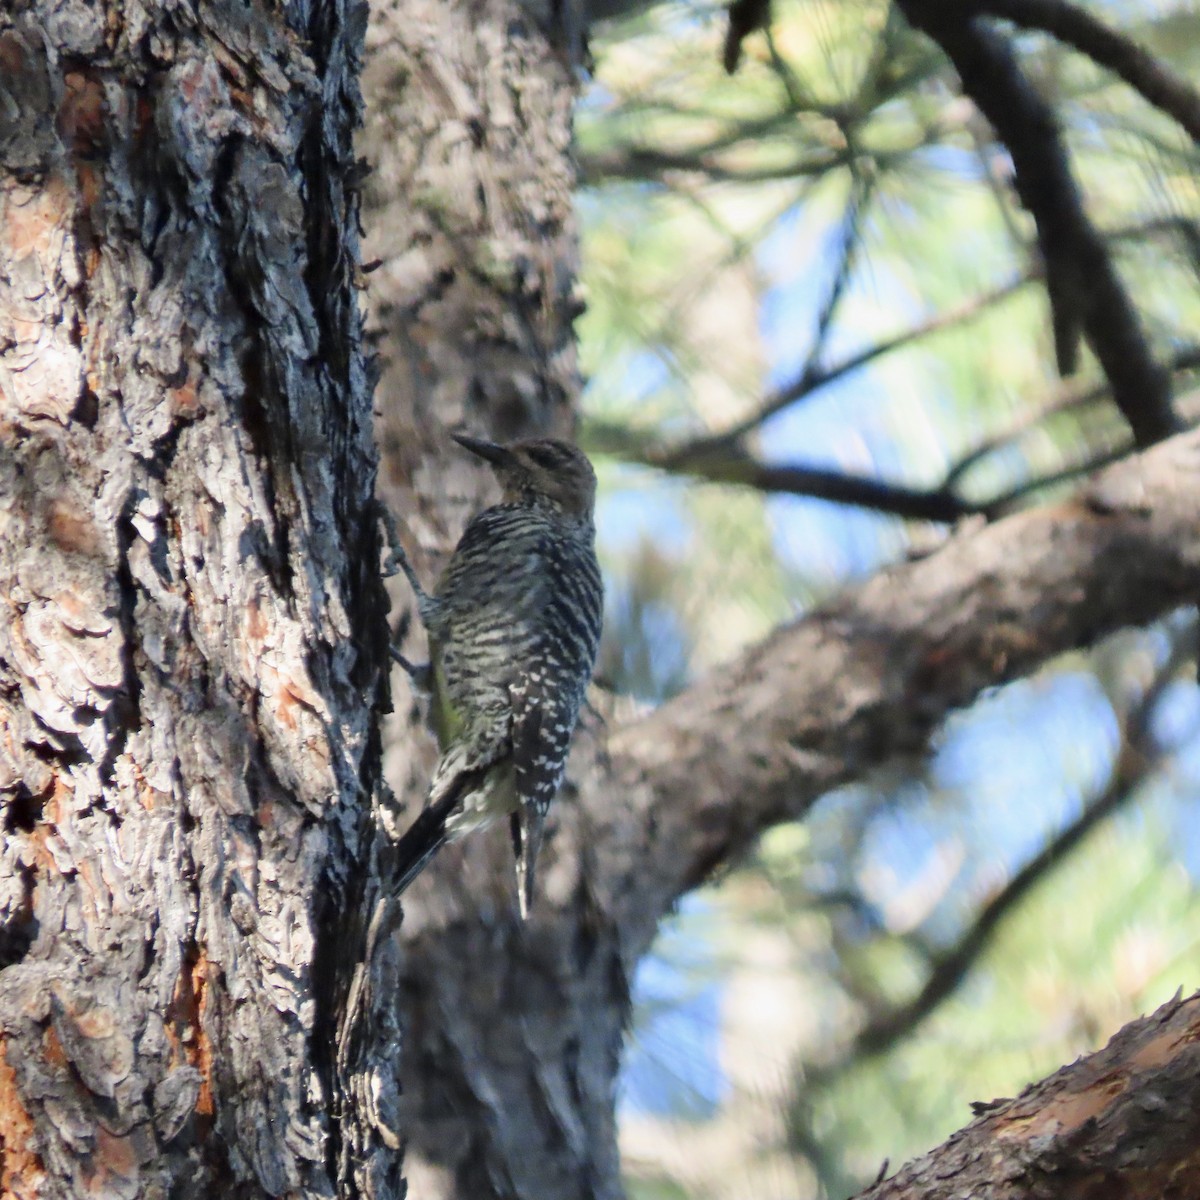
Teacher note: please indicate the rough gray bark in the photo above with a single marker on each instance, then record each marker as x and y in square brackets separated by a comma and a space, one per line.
[193, 628]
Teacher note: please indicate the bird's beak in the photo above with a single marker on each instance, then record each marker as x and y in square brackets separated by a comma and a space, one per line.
[497, 455]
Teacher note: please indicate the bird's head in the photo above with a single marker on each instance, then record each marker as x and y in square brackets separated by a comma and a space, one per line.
[540, 470]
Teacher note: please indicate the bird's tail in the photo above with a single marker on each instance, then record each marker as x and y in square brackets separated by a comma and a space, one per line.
[528, 824]
[425, 836]
[417, 845]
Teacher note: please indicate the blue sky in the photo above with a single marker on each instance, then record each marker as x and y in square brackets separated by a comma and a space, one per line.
[1004, 775]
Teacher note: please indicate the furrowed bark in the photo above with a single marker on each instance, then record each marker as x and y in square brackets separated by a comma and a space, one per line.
[192, 655]
[193, 638]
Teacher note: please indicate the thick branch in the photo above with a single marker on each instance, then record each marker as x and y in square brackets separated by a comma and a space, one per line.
[869, 677]
[1122, 1122]
[1086, 293]
[1149, 76]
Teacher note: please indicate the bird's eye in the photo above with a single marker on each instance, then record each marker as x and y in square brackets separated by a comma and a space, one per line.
[543, 456]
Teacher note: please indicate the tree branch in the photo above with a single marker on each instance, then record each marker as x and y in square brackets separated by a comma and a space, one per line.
[1124, 1121]
[1149, 76]
[717, 460]
[645, 164]
[914, 504]
[869, 677]
[721, 459]
[732, 465]
[1086, 294]
[718, 457]
[1073, 394]
[851, 237]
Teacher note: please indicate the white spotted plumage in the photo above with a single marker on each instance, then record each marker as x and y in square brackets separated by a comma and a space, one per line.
[513, 631]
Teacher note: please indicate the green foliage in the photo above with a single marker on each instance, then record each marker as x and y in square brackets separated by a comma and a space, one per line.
[743, 238]
[1109, 936]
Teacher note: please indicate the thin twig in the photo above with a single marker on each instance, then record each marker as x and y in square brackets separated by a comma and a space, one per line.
[1070, 397]
[861, 188]
[643, 163]
[811, 380]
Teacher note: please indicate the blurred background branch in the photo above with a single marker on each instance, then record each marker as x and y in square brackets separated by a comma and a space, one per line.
[1087, 297]
[1107, 47]
[1135, 761]
[817, 334]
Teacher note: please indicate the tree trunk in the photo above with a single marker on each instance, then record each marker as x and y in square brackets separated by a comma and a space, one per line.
[511, 1033]
[193, 640]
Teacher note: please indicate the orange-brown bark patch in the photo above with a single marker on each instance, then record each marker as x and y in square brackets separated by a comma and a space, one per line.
[81, 115]
[256, 622]
[88, 181]
[1159, 1051]
[186, 1034]
[203, 1056]
[113, 1158]
[32, 227]
[186, 398]
[21, 1170]
[10, 54]
[289, 698]
[53, 1053]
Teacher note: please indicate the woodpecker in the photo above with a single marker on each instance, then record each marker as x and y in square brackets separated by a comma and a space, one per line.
[513, 630]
